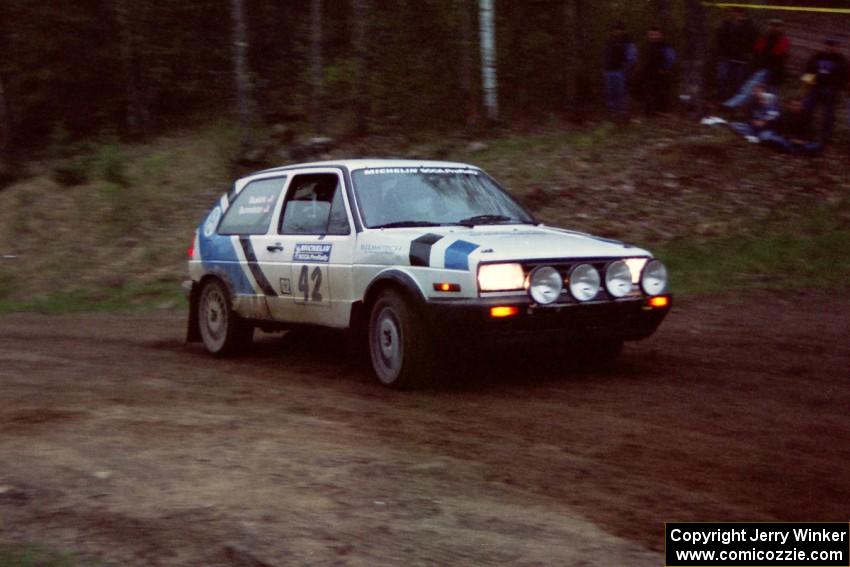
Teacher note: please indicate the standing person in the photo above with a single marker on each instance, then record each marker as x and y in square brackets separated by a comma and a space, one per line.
[620, 58]
[770, 53]
[828, 71]
[657, 71]
[735, 40]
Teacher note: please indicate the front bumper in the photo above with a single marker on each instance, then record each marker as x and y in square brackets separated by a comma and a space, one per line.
[631, 319]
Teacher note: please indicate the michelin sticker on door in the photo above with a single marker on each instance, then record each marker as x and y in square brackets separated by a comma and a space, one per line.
[312, 253]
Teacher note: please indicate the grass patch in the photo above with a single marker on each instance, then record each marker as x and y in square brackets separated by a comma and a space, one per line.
[130, 298]
[782, 260]
[39, 556]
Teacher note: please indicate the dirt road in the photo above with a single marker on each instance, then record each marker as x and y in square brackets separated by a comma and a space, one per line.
[118, 441]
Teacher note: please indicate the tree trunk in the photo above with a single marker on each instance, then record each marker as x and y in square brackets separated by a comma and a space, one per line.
[489, 79]
[133, 121]
[316, 65]
[577, 62]
[695, 54]
[360, 9]
[241, 79]
[465, 22]
[661, 10]
[5, 120]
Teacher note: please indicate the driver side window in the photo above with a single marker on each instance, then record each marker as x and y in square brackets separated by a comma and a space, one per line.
[314, 205]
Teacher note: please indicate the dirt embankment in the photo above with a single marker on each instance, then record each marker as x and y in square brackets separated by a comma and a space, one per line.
[121, 443]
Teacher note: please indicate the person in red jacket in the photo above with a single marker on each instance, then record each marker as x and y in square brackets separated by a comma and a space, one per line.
[770, 54]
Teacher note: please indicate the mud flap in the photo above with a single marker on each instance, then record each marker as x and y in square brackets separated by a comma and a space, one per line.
[193, 332]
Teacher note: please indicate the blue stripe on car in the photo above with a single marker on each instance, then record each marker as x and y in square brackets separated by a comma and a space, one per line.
[218, 256]
[457, 255]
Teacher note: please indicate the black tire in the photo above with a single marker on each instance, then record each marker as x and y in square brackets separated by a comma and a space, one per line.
[222, 331]
[400, 350]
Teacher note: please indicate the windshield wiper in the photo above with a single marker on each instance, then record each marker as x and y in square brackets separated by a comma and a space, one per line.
[407, 223]
[485, 219]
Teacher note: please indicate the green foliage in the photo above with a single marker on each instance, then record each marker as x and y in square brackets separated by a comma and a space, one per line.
[70, 172]
[111, 163]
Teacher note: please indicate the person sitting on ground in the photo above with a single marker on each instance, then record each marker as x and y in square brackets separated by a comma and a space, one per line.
[763, 112]
[794, 133]
[771, 53]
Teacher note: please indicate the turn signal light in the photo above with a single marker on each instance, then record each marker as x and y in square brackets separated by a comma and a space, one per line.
[503, 311]
[659, 301]
[446, 287]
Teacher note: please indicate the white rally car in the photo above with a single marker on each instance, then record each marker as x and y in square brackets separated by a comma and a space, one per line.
[413, 256]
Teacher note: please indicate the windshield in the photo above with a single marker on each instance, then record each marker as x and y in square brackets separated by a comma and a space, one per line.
[423, 196]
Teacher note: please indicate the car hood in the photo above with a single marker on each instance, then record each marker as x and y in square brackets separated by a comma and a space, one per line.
[458, 247]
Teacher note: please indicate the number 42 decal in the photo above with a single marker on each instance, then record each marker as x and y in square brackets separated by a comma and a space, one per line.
[310, 283]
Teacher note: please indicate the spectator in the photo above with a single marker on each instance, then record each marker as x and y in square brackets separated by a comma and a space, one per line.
[658, 61]
[794, 134]
[735, 40]
[620, 58]
[770, 55]
[763, 113]
[827, 72]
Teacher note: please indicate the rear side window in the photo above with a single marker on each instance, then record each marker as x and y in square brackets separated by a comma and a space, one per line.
[253, 208]
[314, 205]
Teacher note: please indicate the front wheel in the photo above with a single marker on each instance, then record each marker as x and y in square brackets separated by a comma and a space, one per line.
[223, 332]
[399, 348]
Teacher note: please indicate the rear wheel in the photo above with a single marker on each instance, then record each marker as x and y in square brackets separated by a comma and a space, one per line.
[399, 348]
[223, 332]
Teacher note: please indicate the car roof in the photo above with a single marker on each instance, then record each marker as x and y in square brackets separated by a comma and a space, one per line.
[364, 163]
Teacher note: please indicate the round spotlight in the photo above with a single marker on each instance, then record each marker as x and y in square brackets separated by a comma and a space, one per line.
[584, 282]
[618, 279]
[545, 284]
[653, 280]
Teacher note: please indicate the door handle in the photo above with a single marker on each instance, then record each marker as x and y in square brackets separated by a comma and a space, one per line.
[275, 248]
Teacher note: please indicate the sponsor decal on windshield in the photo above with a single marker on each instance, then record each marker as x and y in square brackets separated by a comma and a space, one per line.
[421, 171]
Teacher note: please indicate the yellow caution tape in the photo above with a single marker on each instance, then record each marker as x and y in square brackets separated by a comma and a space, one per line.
[774, 7]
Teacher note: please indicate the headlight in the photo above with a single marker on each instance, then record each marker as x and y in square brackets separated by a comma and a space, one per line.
[618, 279]
[654, 278]
[584, 282]
[500, 277]
[545, 285]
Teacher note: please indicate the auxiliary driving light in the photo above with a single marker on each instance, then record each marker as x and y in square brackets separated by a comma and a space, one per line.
[618, 279]
[653, 280]
[584, 282]
[545, 284]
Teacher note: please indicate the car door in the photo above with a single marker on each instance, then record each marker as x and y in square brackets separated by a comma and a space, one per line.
[231, 251]
[308, 258]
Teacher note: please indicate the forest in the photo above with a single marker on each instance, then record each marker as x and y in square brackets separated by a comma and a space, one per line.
[72, 69]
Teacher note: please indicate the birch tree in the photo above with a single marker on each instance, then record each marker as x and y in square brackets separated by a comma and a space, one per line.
[489, 80]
